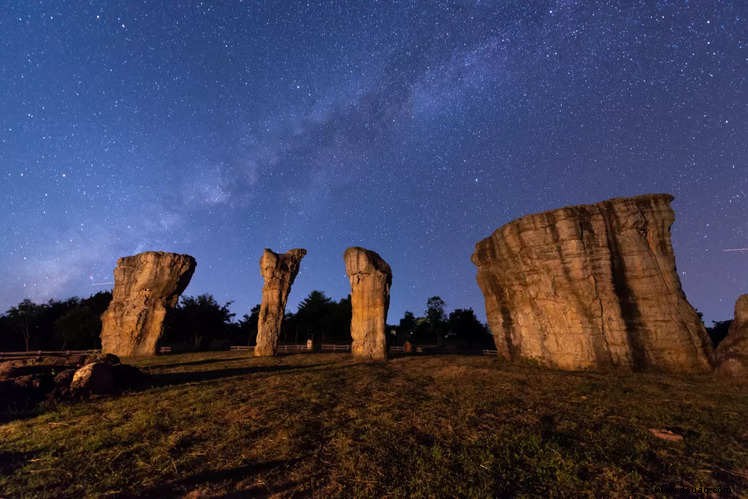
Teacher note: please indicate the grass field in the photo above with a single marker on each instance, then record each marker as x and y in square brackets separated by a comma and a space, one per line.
[224, 424]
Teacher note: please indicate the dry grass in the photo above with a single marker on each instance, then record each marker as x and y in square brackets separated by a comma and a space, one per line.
[321, 425]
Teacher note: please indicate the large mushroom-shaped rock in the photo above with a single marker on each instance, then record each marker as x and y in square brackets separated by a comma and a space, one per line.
[278, 273]
[146, 287]
[371, 279]
[592, 286]
[732, 352]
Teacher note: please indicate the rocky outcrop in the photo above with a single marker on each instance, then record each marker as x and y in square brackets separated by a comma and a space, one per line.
[591, 286]
[146, 287]
[371, 279]
[25, 382]
[732, 353]
[278, 273]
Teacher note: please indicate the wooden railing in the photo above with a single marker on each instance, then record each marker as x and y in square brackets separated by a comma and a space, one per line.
[281, 348]
[293, 348]
[44, 353]
[335, 348]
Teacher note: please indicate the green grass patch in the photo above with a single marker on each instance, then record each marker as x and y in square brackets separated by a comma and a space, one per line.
[320, 424]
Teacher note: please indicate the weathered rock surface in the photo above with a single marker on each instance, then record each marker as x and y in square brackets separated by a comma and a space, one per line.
[732, 352]
[591, 286]
[278, 272]
[93, 379]
[146, 287]
[371, 279]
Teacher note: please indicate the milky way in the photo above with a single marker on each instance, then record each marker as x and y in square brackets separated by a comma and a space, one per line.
[414, 129]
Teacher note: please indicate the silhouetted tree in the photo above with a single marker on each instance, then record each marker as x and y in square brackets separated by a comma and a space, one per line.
[197, 320]
[435, 310]
[314, 317]
[406, 328]
[340, 327]
[24, 320]
[247, 328]
[79, 328]
[55, 325]
[432, 328]
[464, 326]
[320, 319]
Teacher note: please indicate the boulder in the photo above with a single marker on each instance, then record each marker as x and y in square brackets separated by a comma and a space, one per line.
[16, 368]
[731, 354]
[592, 287]
[35, 384]
[106, 358]
[10, 369]
[62, 383]
[146, 287]
[371, 279]
[278, 272]
[93, 379]
[127, 377]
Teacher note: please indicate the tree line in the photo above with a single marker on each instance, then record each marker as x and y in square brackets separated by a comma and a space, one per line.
[202, 323]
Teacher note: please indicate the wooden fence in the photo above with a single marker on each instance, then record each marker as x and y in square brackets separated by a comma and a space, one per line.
[330, 347]
[281, 348]
[335, 348]
[236, 348]
[45, 353]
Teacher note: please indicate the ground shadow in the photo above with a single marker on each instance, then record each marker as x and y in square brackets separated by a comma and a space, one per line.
[197, 362]
[178, 488]
[11, 461]
[178, 378]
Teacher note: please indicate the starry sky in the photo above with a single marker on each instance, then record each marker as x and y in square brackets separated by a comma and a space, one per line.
[411, 128]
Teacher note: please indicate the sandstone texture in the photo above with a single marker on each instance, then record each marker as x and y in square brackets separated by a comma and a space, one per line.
[371, 279]
[278, 272]
[146, 287]
[732, 352]
[592, 287]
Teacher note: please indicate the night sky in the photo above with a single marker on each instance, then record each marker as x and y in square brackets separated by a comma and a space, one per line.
[413, 128]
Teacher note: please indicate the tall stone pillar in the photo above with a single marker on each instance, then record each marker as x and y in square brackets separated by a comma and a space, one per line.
[146, 287]
[278, 272]
[371, 279]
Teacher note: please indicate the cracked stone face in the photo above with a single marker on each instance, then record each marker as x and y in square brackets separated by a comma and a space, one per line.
[278, 272]
[591, 286]
[146, 287]
[371, 279]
